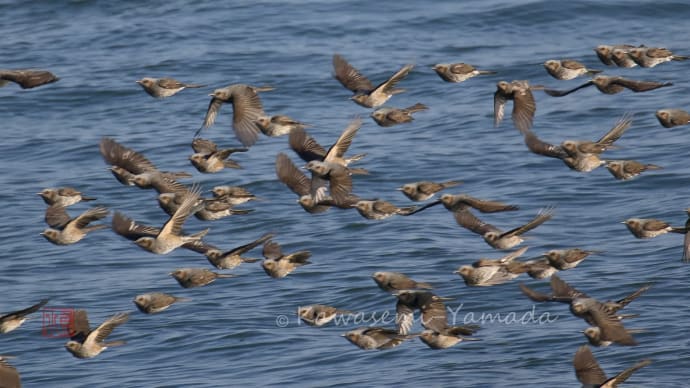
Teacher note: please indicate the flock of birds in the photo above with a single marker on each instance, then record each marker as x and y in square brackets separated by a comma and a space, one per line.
[330, 184]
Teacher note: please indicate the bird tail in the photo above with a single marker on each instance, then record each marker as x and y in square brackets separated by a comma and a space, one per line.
[115, 343]
[301, 257]
[194, 86]
[653, 167]
[359, 171]
[225, 275]
[229, 163]
[485, 72]
[248, 260]
[448, 184]
[417, 107]
[264, 88]
[199, 235]
[83, 198]
[634, 295]
[356, 158]
[679, 58]
[91, 228]
[406, 211]
[593, 72]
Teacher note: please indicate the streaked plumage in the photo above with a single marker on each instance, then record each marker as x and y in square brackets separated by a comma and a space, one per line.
[196, 277]
[423, 190]
[627, 169]
[495, 237]
[63, 196]
[396, 281]
[155, 302]
[278, 265]
[278, 125]
[670, 118]
[87, 343]
[72, 230]
[370, 338]
[387, 117]
[365, 94]
[164, 87]
[649, 227]
[458, 72]
[567, 69]
[590, 374]
[612, 85]
[523, 103]
[652, 56]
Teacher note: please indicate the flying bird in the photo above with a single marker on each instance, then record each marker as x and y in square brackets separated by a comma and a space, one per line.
[27, 78]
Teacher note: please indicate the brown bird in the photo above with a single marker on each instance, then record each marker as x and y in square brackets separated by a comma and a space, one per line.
[365, 94]
[164, 87]
[11, 321]
[170, 236]
[27, 78]
[279, 265]
[387, 117]
[523, 103]
[495, 237]
[63, 196]
[567, 69]
[233, 258]
[396, 281]
[131, 230]
[460, 202]
[670, 118]
[686, 239]
[71, 230]
[649, 227]
[423, 190]
[612, 85]
[627, 169]
[379, 338]
[564, 259]
[539, 268]
[196, 277]
[601, 314]
[596, 338]
[278, 125]
[246, 109]
[621, 57]
[436, 340]
[208, 158]
[9, 377]
[318, 314]
[458, 72]
[155, 302]
[604, 52]
[234, 195]
[379, 209]
[87, 343]
[490, 272]
[590, 374]
[433, 313]
[652, 56]
[207, 209]
[133, 168]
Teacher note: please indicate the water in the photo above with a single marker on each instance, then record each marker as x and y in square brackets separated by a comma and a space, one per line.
[227, 335]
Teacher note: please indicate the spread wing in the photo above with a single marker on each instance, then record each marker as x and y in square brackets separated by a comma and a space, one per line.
[291, 176]
[129, 229]
[349, 77]
[339, 148]
[116, 154]
[470, 222]
[247, 108]
[561, 93]
[56, 216]
[305, 146]
[540, 147]
[587, 368]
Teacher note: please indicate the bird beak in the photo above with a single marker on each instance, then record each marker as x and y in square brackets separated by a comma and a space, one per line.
[399, 189]
[139, 82]
[41, 234]
[211, 95]
[457, 271]
[343, 335]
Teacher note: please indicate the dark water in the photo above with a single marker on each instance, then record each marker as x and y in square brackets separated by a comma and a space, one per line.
[228, 334]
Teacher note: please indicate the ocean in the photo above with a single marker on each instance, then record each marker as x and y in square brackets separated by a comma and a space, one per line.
[244, 331]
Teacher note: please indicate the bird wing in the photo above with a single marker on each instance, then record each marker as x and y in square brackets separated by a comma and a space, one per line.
[562, 289]
[79, 327]
[292, 176]
[499, 107]
[469, 221]
[246, 109]
[486, 206]
[305, 146]
[105, 328]
[540, 147]
[204, 146]
[524, 108]
[624, 375]
[26, 311]
[129, 229]
[404, 317]
[386, 87]
[272, 250]
[56, 216]
[611, 327]
[638, 86]
[587, 368]
[617, 131]
[28, 78]
[350, 77]
[174, 224]
[561, 93]
[170, 83]
[344, 141]
[543, 216]
[384, 207]
[211, 113]
[116, 154]
[90, 215]
[247, 247]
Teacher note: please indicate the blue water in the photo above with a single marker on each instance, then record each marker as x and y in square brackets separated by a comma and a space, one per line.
[227, 335]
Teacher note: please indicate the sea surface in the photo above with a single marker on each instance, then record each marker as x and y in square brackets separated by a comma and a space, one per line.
[244, 331]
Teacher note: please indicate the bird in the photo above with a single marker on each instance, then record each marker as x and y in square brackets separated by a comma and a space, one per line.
[686, 240]
[12, 320]
[278, 125]
[278, 265]
[300, 184]
[318, 314]
[155, 302]
[601, 314]
[523, 103]
[206, 209]
[63, 196]
[27, 78]
[87, 343]
[365, 94]
[308, 149]
[605, 51]
[590, 374]
[434, 314]
[196, 277]
[612, 85]
[388, 117]
[539, 268]
[579, 155]
[564, 259]
[208, 158]
[380, 209]
[490, 272]
[462, 202]
[235, 195]
[652, 56]
[132, 168]
[246, 109]
[670, 118]
[628, 169]
[164, 87]
[596, 338]
[233, 258]
[9, 377]
[72, 230]
[437, 340]
[131, 230]
[423, 190]
[458, 72]
[621, 57]
[396, 281]
[170, 236]
[370, 338]
[337, 175]
[495, 237]
[567, 69]
[649, 227]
